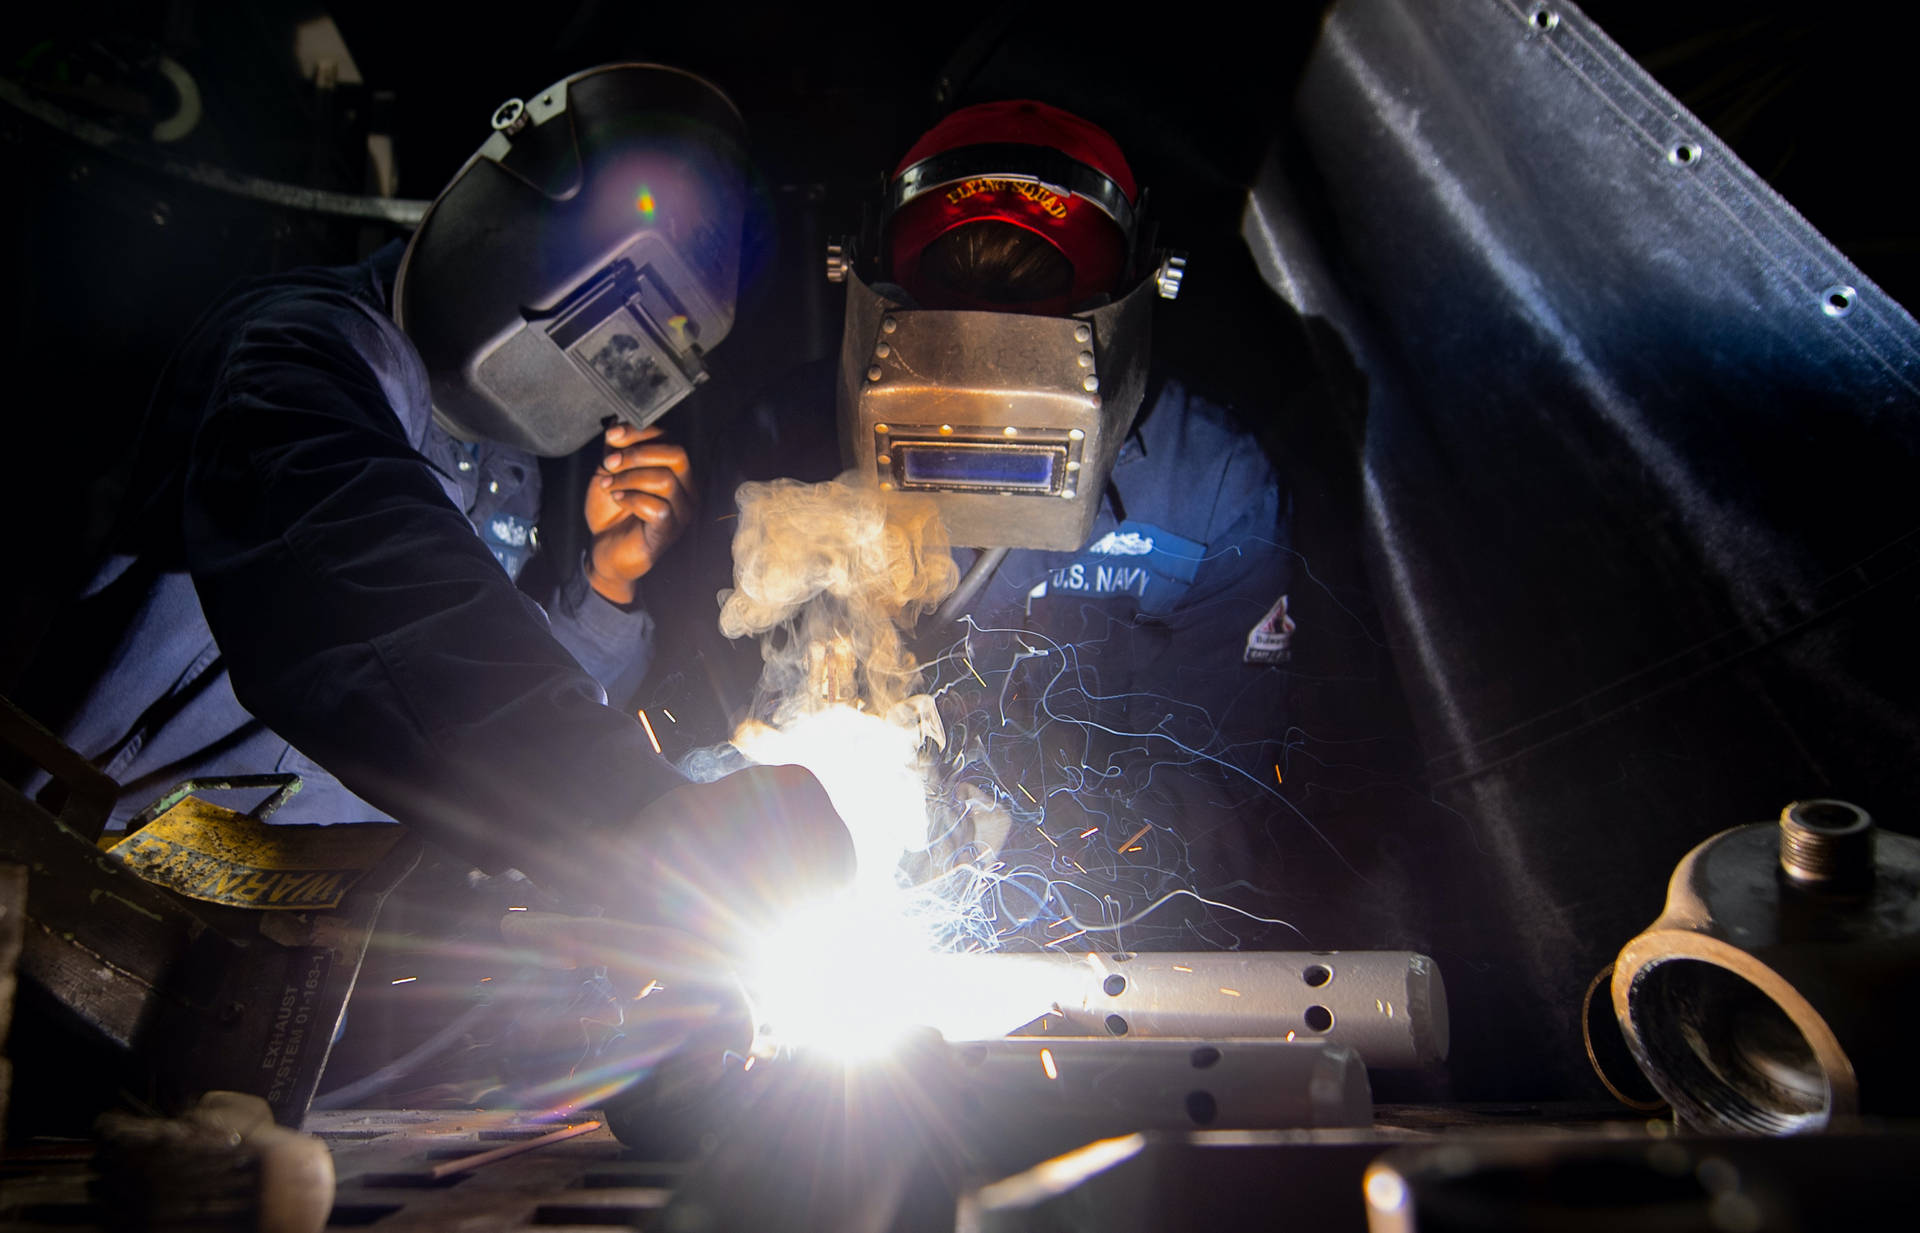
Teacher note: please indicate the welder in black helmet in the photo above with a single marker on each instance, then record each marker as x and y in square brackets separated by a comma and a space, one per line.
[337, 487]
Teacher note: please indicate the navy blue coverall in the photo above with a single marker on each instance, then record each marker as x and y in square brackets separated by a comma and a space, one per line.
[1126, 702]
[310, 575]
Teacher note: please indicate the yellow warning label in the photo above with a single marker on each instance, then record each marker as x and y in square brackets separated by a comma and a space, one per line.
[218, 855]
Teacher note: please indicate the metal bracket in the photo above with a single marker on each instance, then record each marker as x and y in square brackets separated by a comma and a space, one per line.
[1172, 268]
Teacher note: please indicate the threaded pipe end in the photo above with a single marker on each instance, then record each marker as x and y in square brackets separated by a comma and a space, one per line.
[1826, 844]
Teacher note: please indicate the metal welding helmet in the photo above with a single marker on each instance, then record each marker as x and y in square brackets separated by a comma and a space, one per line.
[583, 261]
[995, 350]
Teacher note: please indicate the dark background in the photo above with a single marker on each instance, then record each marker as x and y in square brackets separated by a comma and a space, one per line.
[108, 262]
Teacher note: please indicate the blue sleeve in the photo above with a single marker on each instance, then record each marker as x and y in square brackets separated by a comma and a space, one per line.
[1249, 558]
[363, 620]
[613, 643]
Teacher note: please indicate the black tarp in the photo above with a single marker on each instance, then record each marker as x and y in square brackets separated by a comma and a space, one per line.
[1635, 457]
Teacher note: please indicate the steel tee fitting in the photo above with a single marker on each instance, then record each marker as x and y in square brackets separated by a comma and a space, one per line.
[1778, 990]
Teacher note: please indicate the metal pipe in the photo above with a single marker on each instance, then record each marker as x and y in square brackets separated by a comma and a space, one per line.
[400, 211]
[974, 581]
[1390, 1007]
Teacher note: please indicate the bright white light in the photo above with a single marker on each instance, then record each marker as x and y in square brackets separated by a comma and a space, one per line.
[1385, 1191]
[854, 976]
[823, 980]
[866, 764]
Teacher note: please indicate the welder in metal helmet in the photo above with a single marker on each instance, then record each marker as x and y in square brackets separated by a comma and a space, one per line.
[998, 356]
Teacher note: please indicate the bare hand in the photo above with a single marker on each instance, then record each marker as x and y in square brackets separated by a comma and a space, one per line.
[637, 504]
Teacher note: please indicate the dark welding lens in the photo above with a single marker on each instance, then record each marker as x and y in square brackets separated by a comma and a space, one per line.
[960, 465]
[626, 330]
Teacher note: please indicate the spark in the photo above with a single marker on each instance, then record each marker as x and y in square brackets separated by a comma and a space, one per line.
[406, 980]
[648, 725]
[1023, 791]
[669, 715]
[1133, 839]
[1070, 937]
[653, 986]
[1089, 832]
[516, 909]
[749, 1065]
[485, 979]
[1046, 1064]
[975, 671]
[1276, 774]
[1232, 993]
[1181, 967]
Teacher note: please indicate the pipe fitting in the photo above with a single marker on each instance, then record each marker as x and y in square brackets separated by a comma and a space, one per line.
[1778, 990]
[1826, 845]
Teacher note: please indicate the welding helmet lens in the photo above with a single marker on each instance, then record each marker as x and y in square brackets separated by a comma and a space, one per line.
[992, 262]
[580, 265]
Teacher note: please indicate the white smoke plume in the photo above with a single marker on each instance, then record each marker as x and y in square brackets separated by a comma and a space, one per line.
[829, 576]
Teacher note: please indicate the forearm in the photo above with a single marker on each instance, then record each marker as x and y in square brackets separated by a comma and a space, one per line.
[613, 642]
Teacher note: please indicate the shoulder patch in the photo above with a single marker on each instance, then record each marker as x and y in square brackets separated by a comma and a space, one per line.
[1271, 641]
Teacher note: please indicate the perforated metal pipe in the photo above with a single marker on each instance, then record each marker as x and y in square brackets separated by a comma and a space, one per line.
[1390, 1007]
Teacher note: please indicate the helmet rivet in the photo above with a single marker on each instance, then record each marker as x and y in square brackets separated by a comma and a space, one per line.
[1091, 383]
[510, 117]
[1082, 333]
[873, 374]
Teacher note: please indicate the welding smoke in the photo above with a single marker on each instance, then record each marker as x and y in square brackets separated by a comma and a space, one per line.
[842, 570]
[829, 576]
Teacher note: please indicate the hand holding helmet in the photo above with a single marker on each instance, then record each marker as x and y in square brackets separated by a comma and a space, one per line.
[639, 501]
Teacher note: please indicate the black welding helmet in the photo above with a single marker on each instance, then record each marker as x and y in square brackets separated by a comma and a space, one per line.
[583, 261]
[998, 324]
